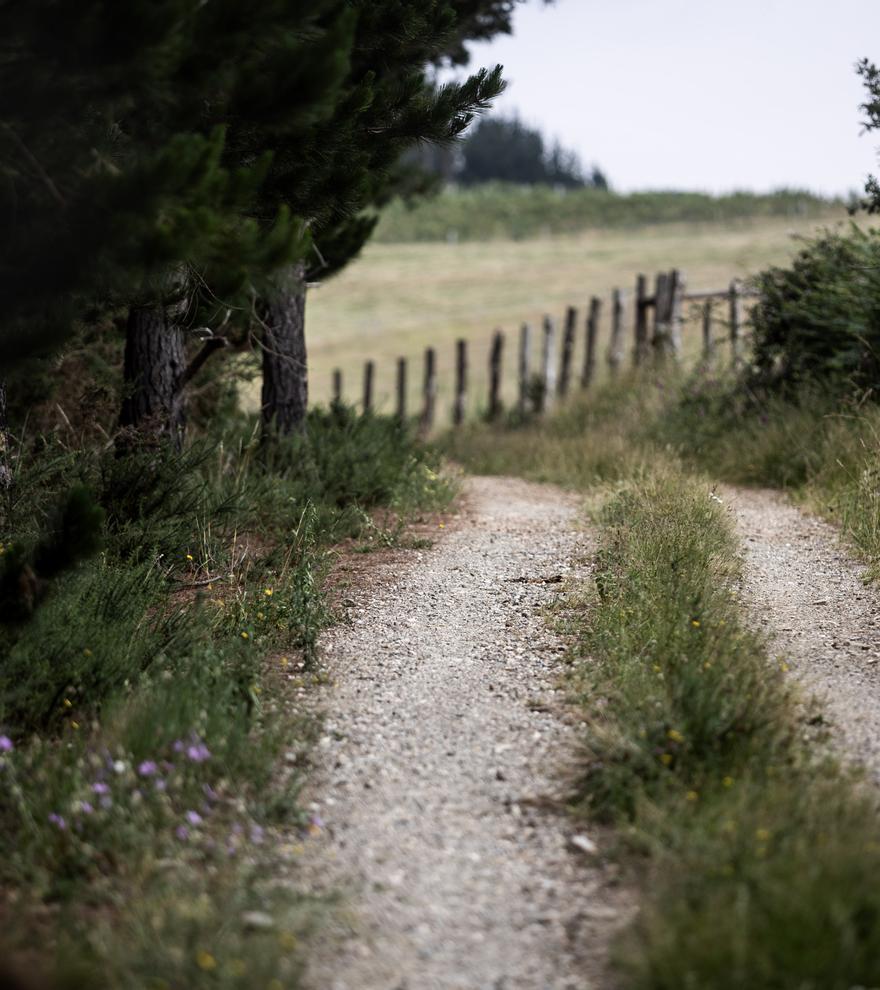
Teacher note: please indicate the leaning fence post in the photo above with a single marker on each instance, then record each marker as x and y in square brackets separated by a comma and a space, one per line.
[337, 386]
[548, 363]
[708, 343]
[495, 356]
[735, 319]
[525, 367]
[641, 326]
[460, 382]
[615, 347]
[430, 391]
[401, 389]
[369, 375]
[592, 337]
[567, 351]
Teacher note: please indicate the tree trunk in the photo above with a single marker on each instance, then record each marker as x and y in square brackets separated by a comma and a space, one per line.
[155, 364]
[285, 371]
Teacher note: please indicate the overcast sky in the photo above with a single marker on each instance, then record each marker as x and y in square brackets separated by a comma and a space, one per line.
[698, 94]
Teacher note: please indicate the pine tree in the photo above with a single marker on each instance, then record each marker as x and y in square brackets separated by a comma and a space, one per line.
[349, 165]
[871, 77]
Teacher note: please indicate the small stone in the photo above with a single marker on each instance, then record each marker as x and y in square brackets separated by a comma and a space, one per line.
[584, 844]
[257, 921]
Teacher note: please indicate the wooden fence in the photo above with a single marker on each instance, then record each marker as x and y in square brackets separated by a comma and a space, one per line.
[657, 322]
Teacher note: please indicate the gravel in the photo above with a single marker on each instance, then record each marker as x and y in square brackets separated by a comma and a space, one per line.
[444, 735]
[823, 619]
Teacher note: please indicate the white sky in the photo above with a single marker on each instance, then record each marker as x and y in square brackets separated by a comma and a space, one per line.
[698, 94]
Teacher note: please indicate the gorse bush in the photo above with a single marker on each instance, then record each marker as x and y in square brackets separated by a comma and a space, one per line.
[819, 319]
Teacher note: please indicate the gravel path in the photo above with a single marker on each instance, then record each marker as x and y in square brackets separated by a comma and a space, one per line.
[824, 619]
[444, 729]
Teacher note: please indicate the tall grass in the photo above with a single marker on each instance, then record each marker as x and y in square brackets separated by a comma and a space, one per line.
[150, 729]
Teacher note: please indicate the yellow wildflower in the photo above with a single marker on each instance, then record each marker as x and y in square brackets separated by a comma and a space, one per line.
[675, 736]
[268, 592]
[666, 759]
[189, 556]
[74, 725]
[68, 703]
[260, 615]
[692, 796]
[783, 666]
[695, 623]
[245, 635]
[657, 668]
[728, 782]
[87, 652]
[205, 961]
[284, 661]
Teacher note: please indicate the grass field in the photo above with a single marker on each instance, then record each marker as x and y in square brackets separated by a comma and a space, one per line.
[400, 298]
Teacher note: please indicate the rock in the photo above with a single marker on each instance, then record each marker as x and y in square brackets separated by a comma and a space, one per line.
[258, 921]
[584, 844]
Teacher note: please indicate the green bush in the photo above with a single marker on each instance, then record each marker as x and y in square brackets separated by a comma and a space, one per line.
[819, 319]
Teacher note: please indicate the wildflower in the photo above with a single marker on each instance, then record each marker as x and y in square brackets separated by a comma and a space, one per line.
[675, 736]
[728, 782]
[695, 623]
[707, 665]
[210, 793]
[245, 635]
[257, 834]
[160, 785]
[442, 526]
[692, 796]
[189, 556]
[182, 833]
[147, 769]
[106, 803]
[178, 745]
[205, 961]
[268, 592]
[87, 652]
[287, 940]
[99, 787]
[57, 821]
[85, 808]
[260, 616]
[198, 752]
[6, 744]
[67, 703]
[74, 724]
[194, 818]
[783, 666]
[762, 835]
[284, 661]
[666, 759]
[657, 668]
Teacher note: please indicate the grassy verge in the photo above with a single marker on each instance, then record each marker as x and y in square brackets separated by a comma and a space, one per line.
[757, 855]
[763, 855]
[152, 726]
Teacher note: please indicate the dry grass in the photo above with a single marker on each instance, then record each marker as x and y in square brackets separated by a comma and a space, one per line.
[400, 298]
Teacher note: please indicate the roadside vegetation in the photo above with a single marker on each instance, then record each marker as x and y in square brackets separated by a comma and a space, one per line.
[755, 852]
[160, 617]
[496, 211]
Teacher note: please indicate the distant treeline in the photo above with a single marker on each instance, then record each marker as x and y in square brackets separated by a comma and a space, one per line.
[498, 211]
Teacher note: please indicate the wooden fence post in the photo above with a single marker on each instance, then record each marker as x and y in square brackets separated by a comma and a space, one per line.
[337, 386]
[525, 367]
[369, 375]
[708, 342]
[642, 305]
[592, 338]
[660, 338]
[548, 364]
[615, 347]
[495, 356]
[567, 351]
[458, 407]
[676, 312]
[430, 392]
[735, 319]
[401, 389]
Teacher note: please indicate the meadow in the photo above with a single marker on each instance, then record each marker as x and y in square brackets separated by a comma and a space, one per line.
[401, 298]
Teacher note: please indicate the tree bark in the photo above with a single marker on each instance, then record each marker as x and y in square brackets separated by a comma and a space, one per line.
[285, 369]
[155, 364]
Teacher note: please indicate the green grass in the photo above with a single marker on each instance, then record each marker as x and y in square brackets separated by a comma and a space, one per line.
[153, 729]
[498, 212]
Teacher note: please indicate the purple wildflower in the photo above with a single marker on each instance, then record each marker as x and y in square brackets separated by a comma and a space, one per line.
[256, 834]
[182, 833]
[6, 744]
[148, 768]
[198, 753]
[178, 745]
[86, 808]
[159, 784]
[99, 787]
[194, 818]
[210, 793]
[58, 821]
[106, 802]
